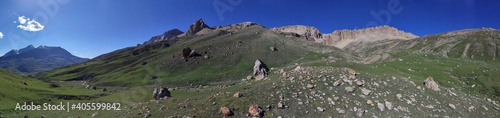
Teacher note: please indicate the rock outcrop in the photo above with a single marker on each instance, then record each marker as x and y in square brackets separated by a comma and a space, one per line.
[260, 70]
[305, 32]
[429, 83]
[161, 92]
[165, 36]
[236, 27]
[196, 27]
[341, 38]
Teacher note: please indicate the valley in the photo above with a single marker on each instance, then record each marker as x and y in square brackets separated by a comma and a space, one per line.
[207, 69]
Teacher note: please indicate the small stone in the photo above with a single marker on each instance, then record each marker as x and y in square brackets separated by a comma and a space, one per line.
[380, 106]
[471, 108]
[349, 89]
[237, 94]
[388, 105]
[341, 111]
[95, 114]
[360, 112]
[365, 91]
[359, 83]
[399, 96]
[369, 102]
[337, 83]
[281, 106]
[451, 105]
[320, 109]
[336, 98]
[485, 108]
[310, 86]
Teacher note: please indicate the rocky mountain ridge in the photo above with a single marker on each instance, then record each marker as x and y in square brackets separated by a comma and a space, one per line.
[341, 38]
[338, 38]
[165, 36]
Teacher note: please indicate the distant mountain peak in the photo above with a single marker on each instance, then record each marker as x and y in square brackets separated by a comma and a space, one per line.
[37, 59]
[196, 27]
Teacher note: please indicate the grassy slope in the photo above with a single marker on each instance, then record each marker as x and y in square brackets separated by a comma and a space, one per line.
[231, 59]
[440, 56]
[14, 91]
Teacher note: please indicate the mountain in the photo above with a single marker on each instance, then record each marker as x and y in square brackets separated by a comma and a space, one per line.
[196, 27]
[342, 38]
[32, 59]
[165, 36]
[218, 51]
[16, 52]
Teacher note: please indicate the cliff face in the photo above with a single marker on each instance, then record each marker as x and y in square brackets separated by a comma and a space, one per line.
[341, 38]
[165, 36]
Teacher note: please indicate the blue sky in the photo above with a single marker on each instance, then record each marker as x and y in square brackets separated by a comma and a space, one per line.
[89, 28]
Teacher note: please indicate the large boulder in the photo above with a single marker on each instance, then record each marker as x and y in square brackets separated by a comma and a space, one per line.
[260, 70]
[187, 52]
[255, 111]
[226, 111]
[161, 92]
[429, 83]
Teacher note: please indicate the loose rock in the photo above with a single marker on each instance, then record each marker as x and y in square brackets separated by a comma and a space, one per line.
[255, 111]
[260, 70]
[161, 92]
[429, 83]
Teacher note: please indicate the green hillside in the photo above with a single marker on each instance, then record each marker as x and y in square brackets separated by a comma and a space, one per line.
[231, 58]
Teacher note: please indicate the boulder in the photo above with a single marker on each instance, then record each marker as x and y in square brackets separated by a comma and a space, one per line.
[255, 111]
[429, 83]
[260, 70]
[161, 92]
[226, 111]
[349, 89]
[185, 52]
[237, 94]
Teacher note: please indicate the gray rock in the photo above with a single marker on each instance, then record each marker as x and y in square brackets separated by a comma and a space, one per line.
[349, 89]
[380, 106]
[260, 70]
[161, 92]
[366, 91]
[429, 83]
[388, 105]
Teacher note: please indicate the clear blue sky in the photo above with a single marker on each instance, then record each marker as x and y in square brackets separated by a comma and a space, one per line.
[89, 28]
